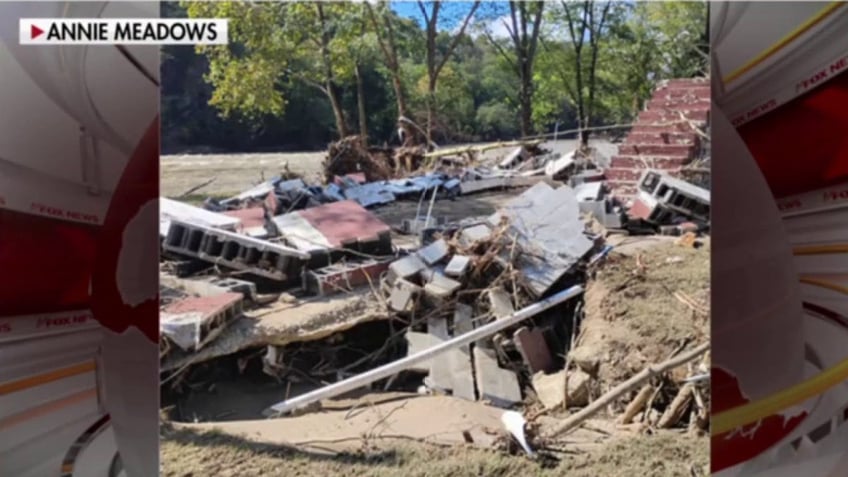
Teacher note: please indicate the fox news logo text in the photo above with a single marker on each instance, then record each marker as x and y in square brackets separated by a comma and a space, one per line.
[125, 31]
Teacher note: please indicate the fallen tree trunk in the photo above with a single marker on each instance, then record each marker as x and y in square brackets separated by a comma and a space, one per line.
[453, 151]
[647, 373]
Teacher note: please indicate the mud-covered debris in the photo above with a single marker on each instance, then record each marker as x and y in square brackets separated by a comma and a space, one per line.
[350, 156]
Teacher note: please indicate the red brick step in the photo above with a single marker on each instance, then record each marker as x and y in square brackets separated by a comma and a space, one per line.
[670, 150]
[666, 163]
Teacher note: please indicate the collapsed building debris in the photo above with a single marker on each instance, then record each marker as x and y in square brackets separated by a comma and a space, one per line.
[350, 155]
[662, 199]
[191, 323]
[455, 294]
[174, 210]
[551, 247]
[393, 368]
[320, 231]
[486, 306]
[236, 251]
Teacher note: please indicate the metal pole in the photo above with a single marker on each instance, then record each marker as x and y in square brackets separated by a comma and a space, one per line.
[430, 209]
[391, 369]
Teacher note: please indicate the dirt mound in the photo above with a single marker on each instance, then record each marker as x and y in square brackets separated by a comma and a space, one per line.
[637, 311]
[350, 155]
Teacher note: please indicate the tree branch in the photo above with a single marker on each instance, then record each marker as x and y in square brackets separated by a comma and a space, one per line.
[602, 402]
[380, 40]
[578, 44]
[537, 22]
[514, 32]
[457, 38]
[502, 51]
[424, 12]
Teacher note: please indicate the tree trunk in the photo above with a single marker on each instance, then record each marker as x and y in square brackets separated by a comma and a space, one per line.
[398, 87]
[432, 74]
[330, 86]
[338, 111]
[577, 37]
[525, 99]
[593, 63]
[431, 102]
[431, 106]
[360, 103]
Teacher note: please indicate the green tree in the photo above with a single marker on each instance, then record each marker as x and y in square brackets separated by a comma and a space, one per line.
[523, 27]
[271, 43]
[436, 61]
[583, 27]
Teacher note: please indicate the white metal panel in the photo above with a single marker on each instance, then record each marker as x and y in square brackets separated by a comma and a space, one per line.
[16, 328]
[172, 209]
[830, 299]
[824, 263]
[33, 430]
[739, 43]
[48, 396]
[36, 353]
[778, 78]
[16, 403]
[42, 457]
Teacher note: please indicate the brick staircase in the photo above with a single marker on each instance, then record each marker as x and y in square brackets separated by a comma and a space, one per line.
[660, 139]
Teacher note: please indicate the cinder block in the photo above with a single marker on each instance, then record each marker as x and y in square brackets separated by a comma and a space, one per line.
[498, 386]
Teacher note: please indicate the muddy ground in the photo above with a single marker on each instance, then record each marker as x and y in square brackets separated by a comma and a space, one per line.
[190, 453]
[634, 317]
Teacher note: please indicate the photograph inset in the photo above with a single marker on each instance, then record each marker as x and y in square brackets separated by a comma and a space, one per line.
[437, 238]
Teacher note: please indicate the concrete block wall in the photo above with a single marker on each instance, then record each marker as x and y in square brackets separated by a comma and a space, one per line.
[659, 139]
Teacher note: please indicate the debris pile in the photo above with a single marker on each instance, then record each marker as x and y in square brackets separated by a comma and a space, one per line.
[487, 308]
[319, 239]
[350, 155]
[484, 272]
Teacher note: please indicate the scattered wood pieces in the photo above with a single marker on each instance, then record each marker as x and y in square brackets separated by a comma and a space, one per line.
[691, 303]
[653, 370]
[677, 408]
[637, 404]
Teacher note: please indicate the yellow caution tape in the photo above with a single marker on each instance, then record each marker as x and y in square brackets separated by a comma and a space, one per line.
[778, 402]
[49, 377]
[811, 22]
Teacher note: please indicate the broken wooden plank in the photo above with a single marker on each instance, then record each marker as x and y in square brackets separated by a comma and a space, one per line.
[616, 392]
